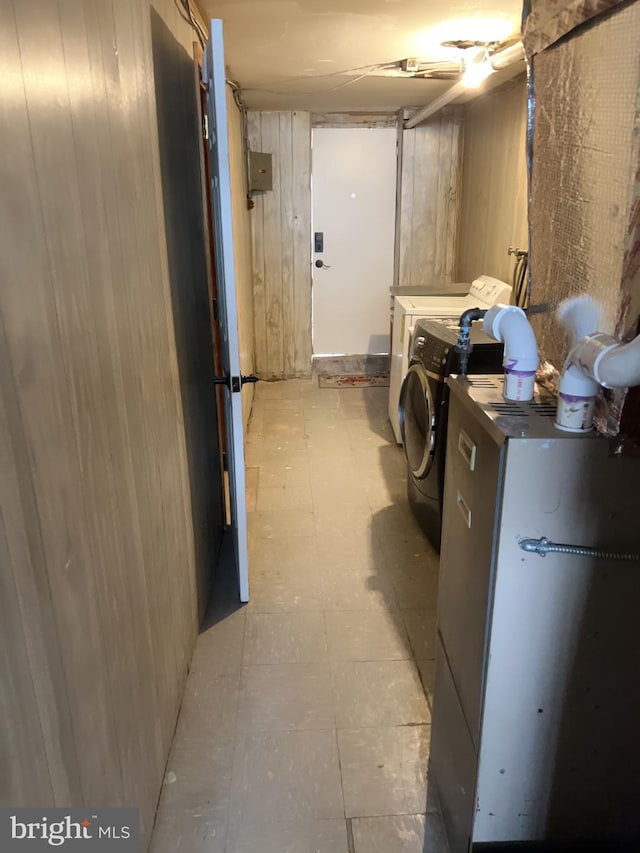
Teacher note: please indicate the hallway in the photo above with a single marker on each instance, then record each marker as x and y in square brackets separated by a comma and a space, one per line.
[304, 726]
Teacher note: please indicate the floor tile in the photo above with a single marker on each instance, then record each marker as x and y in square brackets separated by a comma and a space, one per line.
[280, 524]
[427, 669]
[327, 495]
[364, 433]
[407, 551]
[366, 636]
[275, 498]
[281, 405]
[341, 523]
[421, 627]
[329, 472]
[195, 833]
[350, 587]
[318, 836]
[286, 476]
[198, 781]
[285, 697]
[415, 583]
[220, 644]
[290, 552]
[251, 487]
[273, 638]
[317, 673]
[281, 449]
[277, 417]
[277, 391]
[384, 770]
[285, 589]
[285, 776]
[383, 491]
[209, 708]
[320, 398]
[402, 834]
[381, 693]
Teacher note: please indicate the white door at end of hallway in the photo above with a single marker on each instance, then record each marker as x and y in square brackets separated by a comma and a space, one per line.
[354, 211]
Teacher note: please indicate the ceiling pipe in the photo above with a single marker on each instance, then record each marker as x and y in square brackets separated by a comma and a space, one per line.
[500, 59]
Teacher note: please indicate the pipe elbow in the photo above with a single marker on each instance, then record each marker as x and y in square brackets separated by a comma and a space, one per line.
[574, 382]
[509, 324]
[618, 366]
[580, 382]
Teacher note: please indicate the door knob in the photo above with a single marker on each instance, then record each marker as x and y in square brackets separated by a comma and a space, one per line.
[321, 265]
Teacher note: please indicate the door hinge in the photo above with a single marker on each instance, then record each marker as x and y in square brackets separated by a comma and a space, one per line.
[205, 126]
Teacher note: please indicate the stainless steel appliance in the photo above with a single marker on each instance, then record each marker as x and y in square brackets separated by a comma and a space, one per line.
[537, 693]
[422, 412]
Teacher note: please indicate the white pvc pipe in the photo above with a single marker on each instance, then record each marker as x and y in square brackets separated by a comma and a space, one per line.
[501, 59]
[507, 56]
[576, 398]
[595, 360]
[443, 100]
[509, 324]
[619, 366]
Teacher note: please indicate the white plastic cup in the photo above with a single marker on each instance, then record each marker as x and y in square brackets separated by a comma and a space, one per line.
[519, 384]
[575, 412]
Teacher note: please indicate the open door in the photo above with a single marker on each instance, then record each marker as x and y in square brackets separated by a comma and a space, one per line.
[220, 189]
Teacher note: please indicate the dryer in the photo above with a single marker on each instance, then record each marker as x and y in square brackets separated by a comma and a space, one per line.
[423, 412]
[485, 291]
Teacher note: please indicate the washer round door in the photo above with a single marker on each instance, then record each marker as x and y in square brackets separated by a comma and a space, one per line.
[417, 417]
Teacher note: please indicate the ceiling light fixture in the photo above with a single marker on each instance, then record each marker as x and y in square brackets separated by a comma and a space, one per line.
[501, 58]
[476, 69]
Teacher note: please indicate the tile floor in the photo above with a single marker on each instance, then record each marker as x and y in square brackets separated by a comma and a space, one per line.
[305, 722]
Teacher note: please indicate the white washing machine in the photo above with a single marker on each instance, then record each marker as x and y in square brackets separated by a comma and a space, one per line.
[485, 291]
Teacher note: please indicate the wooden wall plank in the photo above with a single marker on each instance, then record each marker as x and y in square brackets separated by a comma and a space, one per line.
[425, 202]
[281, 225]
[35, 345]
[452, 220]
[106, 432]
[285, 160]
[428, 210]
[399, 167]
[22, 526]
[493, 214]
[353, 119]
[242, 248]
[22, 782]
[444, 190]
[301, 240]
[38, 703]
[254, 132]
[405, 228]
[273, 250]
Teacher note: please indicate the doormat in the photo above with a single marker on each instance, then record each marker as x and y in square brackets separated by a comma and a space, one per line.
[354, 380]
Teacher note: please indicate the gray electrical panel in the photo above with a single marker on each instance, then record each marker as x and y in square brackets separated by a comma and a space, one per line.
[260, 171]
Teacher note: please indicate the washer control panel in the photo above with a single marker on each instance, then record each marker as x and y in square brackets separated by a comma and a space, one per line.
[431, 351]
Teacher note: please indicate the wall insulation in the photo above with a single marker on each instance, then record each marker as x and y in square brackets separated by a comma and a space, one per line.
[584, 190]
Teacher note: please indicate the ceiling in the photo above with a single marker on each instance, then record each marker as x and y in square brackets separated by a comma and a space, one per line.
[323, 55]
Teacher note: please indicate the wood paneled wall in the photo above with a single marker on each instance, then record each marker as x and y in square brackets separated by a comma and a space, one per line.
[282, 246]
[493, 213]
[428, 203]
[242, 249]
[108, 478]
